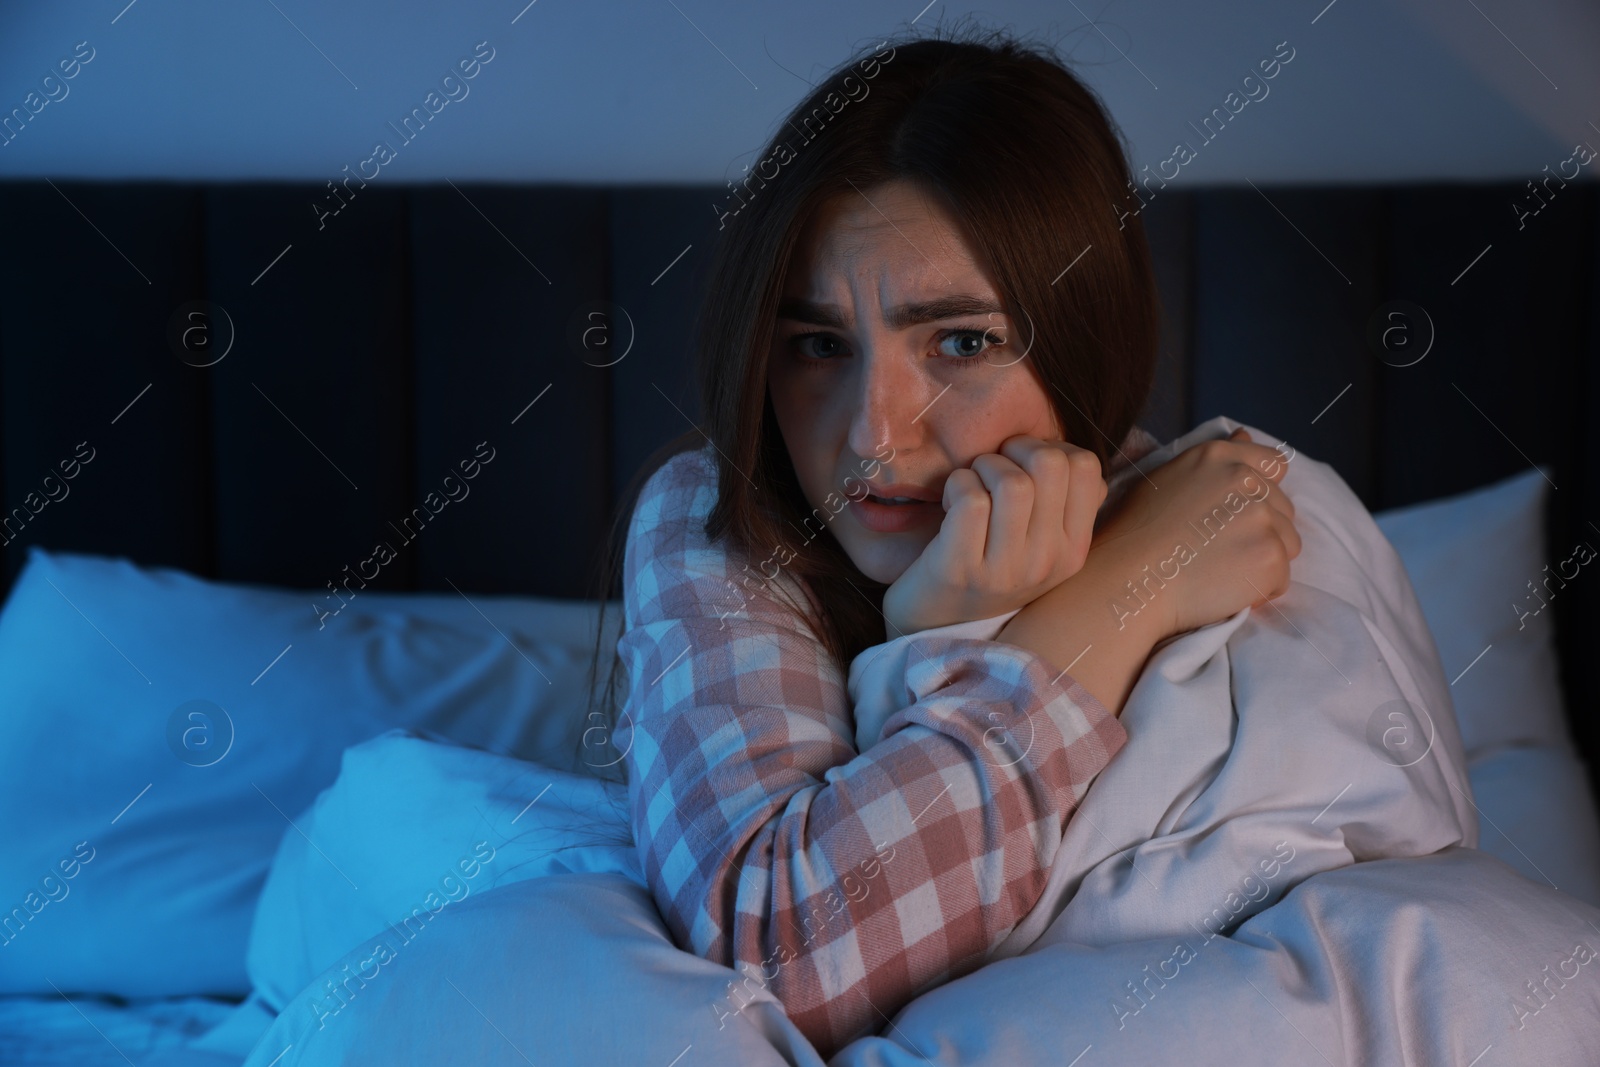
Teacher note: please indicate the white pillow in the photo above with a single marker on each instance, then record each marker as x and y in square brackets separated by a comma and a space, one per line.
[1539, 816]
[1470, 558]
[138, 839]
[410, 829]
[574, 969]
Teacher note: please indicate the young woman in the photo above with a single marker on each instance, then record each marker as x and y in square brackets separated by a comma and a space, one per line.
[930, 326]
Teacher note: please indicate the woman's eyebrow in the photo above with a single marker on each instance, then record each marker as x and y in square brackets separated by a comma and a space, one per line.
[796, 309]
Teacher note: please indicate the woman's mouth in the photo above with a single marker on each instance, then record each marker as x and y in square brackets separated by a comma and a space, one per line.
[895, 514]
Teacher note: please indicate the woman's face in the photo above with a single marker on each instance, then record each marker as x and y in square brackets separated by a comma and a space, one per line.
[891, 366]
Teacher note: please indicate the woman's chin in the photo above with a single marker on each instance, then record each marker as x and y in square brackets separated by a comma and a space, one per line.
[884, 562]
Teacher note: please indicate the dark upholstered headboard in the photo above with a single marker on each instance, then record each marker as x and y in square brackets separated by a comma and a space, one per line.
[374, 348]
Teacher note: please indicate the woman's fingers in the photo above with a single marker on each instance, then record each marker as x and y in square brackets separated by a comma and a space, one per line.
[1282, 533]
[965, 529]
[1086, 492]
[1279, 501]
[1024, 517]
[1266, 464]
[1049, 464]
[1268, 461]
[1288, 532]
[1267, 468]
[1012, 492]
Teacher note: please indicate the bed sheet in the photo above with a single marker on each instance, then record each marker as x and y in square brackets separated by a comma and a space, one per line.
[83, 1031]
[1396, 961]
[1417, 962]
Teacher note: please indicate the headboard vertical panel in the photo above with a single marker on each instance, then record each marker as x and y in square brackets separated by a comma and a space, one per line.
[497, 274]
[1169, 230]
[1283, 289]
[90, 277]
[662, 240]
[311, 408]
[1486, 401]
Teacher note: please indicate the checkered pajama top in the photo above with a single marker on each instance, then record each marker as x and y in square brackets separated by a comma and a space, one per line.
[842, 882]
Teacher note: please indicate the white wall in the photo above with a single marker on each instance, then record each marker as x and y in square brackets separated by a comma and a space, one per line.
[687, 90]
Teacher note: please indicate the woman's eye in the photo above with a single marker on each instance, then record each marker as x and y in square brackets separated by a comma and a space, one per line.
[963, 345]
[966, 344]
[818, 345]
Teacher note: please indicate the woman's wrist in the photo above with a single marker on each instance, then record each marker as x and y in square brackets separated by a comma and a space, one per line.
[900, 622]
[1135, 594]
[1100, 625]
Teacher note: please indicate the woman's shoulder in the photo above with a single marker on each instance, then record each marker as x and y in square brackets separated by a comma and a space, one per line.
[681, 489]
[671, 559]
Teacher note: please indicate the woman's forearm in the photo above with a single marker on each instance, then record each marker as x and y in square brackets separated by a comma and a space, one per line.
[1093, 627]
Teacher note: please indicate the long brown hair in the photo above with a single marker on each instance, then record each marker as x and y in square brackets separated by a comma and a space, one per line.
[1026, 157]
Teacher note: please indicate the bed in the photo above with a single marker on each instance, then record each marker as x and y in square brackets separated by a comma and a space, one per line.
[256, 741]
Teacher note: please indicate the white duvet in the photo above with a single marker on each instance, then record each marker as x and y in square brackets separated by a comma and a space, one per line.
[1277, 868]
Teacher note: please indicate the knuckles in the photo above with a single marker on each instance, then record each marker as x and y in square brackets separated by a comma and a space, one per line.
[1271, 557]
[1084, 464]
[1013, 482]
[1038, 572]
[1051, 464]
[965, 487]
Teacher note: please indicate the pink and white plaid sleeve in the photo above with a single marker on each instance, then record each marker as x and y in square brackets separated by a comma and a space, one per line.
[844, 882]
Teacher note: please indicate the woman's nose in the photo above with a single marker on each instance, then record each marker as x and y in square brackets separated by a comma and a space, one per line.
[889, 401]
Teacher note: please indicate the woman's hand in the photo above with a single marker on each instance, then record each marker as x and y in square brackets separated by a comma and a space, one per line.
[1017, 523]
[1231, 482]
[1094, 626]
